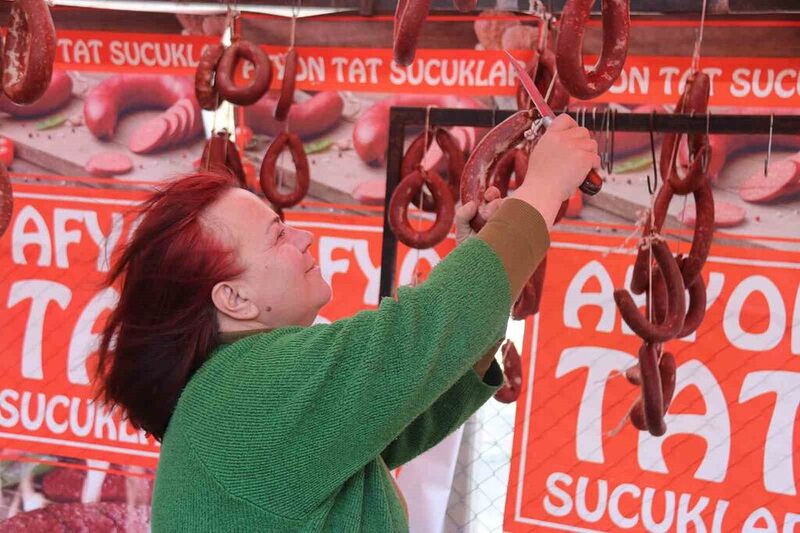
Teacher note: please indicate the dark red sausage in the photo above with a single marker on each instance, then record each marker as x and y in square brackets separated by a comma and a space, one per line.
[416, 153]
[666, 370]
[633, 375]
[676, 303]
[221, 154]
[658, 297]
[652, 393]
[286, 98]
[408, 20]
[443, 205]
[520, 167]
[6, 199]
[455, 159]
[512, 372]
[29, 51]
[694, 100]
[501, 177]
[697, 300]
[703, 234]
[204, 88]
[542, 72]
[269, 182]
[484, 157]
[262, 74]
[409, 188]
[527, 303]
[569, 48]
[654, 223]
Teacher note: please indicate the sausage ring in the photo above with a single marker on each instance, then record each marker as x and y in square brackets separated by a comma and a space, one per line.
[221, 153]
[29, 51]
[268, 173]
[409, 188]
[676, 303]
[486, 154]
[286, 98]
[542, 72]
[693, 100]
[262, 74]
[416, 153]
[569, 48]
[408, 19]
[204, 88]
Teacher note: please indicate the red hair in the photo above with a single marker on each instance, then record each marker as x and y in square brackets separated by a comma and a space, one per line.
[164, 326]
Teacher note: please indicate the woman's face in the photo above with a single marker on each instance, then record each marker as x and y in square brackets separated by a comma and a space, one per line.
[281, 282]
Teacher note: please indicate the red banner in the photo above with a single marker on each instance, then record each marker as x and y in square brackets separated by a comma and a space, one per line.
[736, 81]
[729, 460]
[53, 259]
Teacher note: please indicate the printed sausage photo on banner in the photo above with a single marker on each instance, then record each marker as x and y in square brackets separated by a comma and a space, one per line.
[295, 107]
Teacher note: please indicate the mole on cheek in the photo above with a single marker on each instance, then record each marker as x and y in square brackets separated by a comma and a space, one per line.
[268, 309]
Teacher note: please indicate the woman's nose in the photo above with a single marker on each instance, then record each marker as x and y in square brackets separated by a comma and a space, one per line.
[302, 239]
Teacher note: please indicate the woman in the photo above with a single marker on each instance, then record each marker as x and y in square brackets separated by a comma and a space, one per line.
[270, 424]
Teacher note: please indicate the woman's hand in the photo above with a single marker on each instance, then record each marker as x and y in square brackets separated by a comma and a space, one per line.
[467, 212]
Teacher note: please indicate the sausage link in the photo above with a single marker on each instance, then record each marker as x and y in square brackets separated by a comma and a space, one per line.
[520, 167]
[220, 153]
[204, 88]
[226, 69]
[416, 153]
[569, 48]
[455, 159]
[512, 372]
[666, 370]
[634, 375]
[693, 100]
[542, 70]
[697, 301]
[408, 20]
[484, 157]
[29, 51]
[658, 298]
[268, 173]
[676, 303]
[286, 98]
[652, 393]
[6, 199]
[409, 188]
[639, 280]
[703, 234]
[501, 176]
[527, 303]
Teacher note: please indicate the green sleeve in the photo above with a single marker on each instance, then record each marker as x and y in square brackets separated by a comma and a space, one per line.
[306, 408]
[449, 412]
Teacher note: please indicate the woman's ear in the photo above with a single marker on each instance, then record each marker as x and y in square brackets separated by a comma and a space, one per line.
[229, 301]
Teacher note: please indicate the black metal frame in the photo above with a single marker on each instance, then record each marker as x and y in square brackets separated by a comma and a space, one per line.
[402, 117]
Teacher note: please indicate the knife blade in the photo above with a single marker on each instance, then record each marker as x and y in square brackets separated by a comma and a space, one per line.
[593, 182]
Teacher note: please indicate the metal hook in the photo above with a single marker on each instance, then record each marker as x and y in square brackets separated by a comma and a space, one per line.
[651, 188]
[769, 144]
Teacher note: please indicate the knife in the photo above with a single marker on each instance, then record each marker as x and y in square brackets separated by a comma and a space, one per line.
[593, 182]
